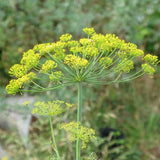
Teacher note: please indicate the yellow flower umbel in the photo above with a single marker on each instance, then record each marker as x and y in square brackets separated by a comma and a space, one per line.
[66, 37]
[56, 77]
[125, 66]
[75, 62]
[148, 69]
[97, 59]
[18, 70]
[30, 59]
[150, 59]
[15, 85]
[50, 108]
[150, 63]
[48, 66]
[76, 130]
[105, 61]
[89, 31]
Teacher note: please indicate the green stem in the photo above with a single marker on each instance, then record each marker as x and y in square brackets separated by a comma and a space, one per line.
[79, 115]
[53, 138]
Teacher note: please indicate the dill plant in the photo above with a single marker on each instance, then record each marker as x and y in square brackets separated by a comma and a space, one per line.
[98, 59]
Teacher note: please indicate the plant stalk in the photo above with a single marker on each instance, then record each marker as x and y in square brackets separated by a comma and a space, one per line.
[79, 115]
[53, 138]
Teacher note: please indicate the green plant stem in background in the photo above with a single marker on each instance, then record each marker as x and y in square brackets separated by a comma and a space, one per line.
[79, 115]
[53, 138]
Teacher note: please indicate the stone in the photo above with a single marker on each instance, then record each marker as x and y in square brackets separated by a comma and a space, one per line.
[16, 117]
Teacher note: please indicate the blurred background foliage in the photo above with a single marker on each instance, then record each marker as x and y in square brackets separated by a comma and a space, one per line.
[132, 107]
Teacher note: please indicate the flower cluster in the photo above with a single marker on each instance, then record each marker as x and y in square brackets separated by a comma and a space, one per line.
[90, 51]
[73, 43]
[150, 59]
[89, 31]
[43, 49]
[48, 66]
[15, 85]
[18, 70]
[97, 59]
[30, 59]
[76, 130]
[106, 61]
[56, 77]
[150, 62]
[76, 49]
[75, 62]
[65, 37]
[51, 108]
[86, 41]
[125, 66]
[148, 69]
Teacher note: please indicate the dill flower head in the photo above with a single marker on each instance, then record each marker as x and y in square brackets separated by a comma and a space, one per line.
[56, 77]
[97, 59]
[50, 108]
[105, 61]
[150, 59]
[30, 59]
[75, 62]
[90, 51]
[48, 66]
[125, 66]
[18, 70]
[65, 37]
[43, 49]
[15, 85]
[148, 69]
[76, 130]
[89, 31]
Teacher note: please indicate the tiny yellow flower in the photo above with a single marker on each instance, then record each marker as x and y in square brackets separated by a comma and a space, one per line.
[16, 84]
[75, 62]
[125, 65]
[66, 37]
[148, 69]
[90, 51]
[150, 59]
[73, 43]
[25, 103]
[106, 61]
[18, 70]
[30, 59]
[86, 41]
[56, 77]
[89, 31]
[48, 66]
